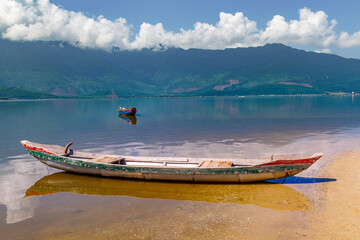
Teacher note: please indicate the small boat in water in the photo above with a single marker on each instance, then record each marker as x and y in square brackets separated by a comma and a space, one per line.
[170, 168]
[130, 111]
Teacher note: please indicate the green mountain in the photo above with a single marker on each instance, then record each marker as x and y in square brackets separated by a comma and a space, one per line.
[271, 69]
[60, 69]
[63, 70]
[19, 93]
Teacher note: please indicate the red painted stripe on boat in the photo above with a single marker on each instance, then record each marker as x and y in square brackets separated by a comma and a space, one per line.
[38, 149]
[288, 162]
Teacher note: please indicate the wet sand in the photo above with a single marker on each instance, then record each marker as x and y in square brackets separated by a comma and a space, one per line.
[330, 211]
[335, 211]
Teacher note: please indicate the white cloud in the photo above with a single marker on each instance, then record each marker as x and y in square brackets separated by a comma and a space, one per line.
[229, 31]
[346, 40]
[151, 36]
[325, 50]
[12, 12]
[312, 28]
[41, 20]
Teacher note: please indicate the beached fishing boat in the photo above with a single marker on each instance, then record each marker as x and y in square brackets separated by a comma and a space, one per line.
[170, 168]
[130, 111]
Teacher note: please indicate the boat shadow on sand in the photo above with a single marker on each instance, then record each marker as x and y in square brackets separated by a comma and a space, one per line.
[265, 194]
[300, 180]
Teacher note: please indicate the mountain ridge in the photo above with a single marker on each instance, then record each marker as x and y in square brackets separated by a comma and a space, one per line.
[63, 70]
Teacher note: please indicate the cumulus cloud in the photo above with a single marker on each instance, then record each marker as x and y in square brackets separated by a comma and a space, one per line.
[346, 40]
[41, 20]
[230, 31]
[312, 28]
[325, 50]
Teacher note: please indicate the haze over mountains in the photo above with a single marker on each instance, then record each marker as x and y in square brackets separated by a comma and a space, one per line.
[43, 69]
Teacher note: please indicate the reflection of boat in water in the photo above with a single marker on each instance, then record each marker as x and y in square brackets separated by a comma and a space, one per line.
[170, 168]
[130, 119]
[267, 195]
[130, 111]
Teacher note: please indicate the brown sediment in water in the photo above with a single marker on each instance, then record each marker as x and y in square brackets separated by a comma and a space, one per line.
[122, 209]
[267, 195]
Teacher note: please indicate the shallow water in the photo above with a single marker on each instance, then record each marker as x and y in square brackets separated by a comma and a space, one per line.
[233, 127]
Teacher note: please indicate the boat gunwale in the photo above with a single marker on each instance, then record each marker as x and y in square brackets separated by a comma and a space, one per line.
[33, 150]
[87, 156]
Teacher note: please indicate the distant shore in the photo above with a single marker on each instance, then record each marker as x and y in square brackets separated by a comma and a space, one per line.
[169, 96]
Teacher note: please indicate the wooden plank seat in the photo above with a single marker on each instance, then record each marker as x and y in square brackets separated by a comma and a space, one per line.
[213, 163]
[106, 159]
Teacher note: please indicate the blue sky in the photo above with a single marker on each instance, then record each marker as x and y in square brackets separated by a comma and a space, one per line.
[184, 13]
[313, 25]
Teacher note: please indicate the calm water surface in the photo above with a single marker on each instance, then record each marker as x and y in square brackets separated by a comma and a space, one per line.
[33, 195]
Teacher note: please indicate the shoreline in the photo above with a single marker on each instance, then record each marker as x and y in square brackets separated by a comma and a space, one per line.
[204, 96]
[340, 212]
[335, 211]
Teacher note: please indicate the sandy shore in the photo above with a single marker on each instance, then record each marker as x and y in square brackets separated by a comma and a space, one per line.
[335, 208]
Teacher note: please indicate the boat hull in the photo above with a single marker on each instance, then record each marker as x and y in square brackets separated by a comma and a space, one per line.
[230, 174]
[127, 112]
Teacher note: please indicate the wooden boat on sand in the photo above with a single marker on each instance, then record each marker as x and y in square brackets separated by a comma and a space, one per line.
[130, 111]
[170, 168]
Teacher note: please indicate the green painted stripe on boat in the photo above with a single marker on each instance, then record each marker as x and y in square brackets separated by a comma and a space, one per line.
[167, 170]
